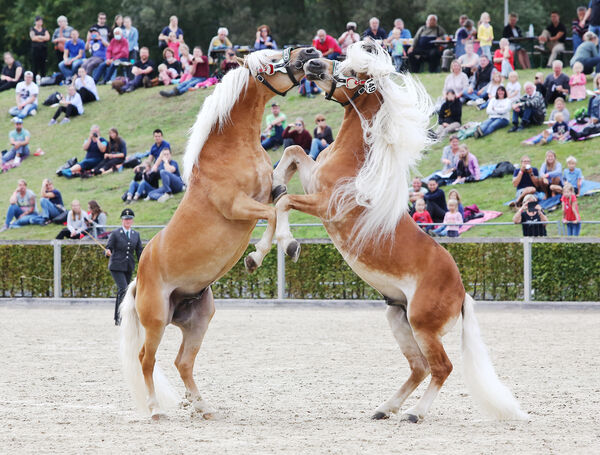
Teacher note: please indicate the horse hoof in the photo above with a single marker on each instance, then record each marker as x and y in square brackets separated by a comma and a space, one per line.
[410, 418]
[277, 192]
[380, 416]
[250, 264]
[158, 416]
[293, 250]
[209, 416]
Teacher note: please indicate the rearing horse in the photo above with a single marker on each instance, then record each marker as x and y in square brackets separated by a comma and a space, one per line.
[228, 175]
[358, 187]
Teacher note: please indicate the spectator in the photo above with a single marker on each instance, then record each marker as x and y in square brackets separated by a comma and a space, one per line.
[399, 25]
[186, 63]
[276, 123]
[71, 106]
[593, 125]
[19, 140]
[165, 74]
[587, 54]
[61, 35]
[511, 31]
[449, 116]
[143, 71]
[297, 134]
[558, 131]
[539, 84]
[531, 212]
[159, 145]
[592, 17]
[96, 220]
[168, 169]
[421, 215]
[423, 48]
[550, 181]
[573, 174]
[322, 137]
[219, 43]
[264, 40]
[436, 201]
[469, 61]
[173, 44]
[456, 80]
[173, 26]
[117, 23]
[26, 97]
[12, 72]
[466, 33]
[21, 208]
[102, 28]
[559, 106]
[114, 155]
[145, 181]
[374, 31]
[85, 86]
[450, 154]
[525, 180]
[556, 83]
[494, 85]
[513, 87]
[95, 146]
[396, 46]
[467, 166]
[39, 46]
[454, 194]
[171, 62]
[95, 45]
[485, 35]
[76, 226]
[578, 29]
[577, 83]
[530, 108]
[117, 53]
[308, 88]
[416, 192]
[452, 219]
[498, 110]
[51, 202]
[230, 62]
[571, 216]
[73, 57]
[348, 37]
[504, 58]
[327, 45]
[131, 34]
[481, 80]
[553, 37]
[199, 71]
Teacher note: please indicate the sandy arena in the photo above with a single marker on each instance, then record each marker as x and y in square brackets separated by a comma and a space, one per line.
[294, 380]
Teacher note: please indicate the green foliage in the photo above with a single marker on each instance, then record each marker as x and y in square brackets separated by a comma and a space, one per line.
[27, 270]
[85, 272]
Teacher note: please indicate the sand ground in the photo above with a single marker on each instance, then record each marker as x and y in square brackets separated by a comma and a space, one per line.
[294, 380]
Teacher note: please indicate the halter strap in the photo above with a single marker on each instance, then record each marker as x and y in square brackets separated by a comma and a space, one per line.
[365, 86]
[281, 66]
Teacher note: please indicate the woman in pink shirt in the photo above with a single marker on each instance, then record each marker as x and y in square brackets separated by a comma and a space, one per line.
[467, 166]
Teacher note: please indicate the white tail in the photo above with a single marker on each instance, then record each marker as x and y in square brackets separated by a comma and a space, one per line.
[482, 381]
[132, 340]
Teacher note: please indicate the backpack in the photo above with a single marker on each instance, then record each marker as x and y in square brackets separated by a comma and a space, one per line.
[503, 168]
[53, 99]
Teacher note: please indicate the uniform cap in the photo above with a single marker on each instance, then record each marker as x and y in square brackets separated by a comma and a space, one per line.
[127, 214]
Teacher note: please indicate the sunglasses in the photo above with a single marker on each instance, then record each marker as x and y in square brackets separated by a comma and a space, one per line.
[298, 124]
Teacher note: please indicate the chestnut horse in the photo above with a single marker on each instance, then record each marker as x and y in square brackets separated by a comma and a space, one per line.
[228, 175]
[358, 187]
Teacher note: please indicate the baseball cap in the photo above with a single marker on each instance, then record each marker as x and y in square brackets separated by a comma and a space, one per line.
[28, 73]
[17, 120]
[274, 104]
[127, 214]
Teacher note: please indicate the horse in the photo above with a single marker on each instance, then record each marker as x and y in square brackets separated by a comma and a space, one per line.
[228, 177]
[358, 187]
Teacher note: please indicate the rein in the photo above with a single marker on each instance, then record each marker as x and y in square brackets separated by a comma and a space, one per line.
[365, 86]
[282, 66]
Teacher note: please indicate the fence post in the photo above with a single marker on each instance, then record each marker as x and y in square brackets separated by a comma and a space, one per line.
[526, 270]
[56, 244]
[280, 273]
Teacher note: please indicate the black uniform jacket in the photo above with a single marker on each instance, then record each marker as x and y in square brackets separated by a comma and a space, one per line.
[123, 249]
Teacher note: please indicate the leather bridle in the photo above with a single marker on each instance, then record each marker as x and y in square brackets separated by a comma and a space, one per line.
[282, 66]
[339, 80]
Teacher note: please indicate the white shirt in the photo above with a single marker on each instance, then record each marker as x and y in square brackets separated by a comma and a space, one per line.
[25, 91]
[75, 100]
[89, 84]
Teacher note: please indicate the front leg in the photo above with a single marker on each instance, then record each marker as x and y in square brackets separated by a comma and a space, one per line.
[294, 158]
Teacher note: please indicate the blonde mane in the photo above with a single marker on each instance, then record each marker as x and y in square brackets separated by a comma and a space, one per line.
[217, 107]
[394, 140]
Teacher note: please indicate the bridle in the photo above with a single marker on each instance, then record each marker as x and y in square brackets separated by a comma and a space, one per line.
[339, 80]
[282, 66]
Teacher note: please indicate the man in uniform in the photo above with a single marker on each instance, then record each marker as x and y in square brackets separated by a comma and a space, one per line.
[122, 244]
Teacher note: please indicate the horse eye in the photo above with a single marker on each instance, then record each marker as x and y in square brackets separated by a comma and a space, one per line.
[353, 73]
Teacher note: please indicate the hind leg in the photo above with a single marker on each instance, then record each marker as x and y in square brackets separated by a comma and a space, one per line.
[154, 335]
[294, 158]
[396, 316]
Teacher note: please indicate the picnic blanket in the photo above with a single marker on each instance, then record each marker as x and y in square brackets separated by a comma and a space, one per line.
[487, 215]
[588, 187]
[443, 178]
[572, 124]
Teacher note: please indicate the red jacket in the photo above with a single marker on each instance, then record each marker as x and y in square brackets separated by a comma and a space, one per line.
[117, 48]
[330, 43]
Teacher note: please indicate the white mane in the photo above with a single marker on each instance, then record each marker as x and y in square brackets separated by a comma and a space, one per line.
[216, 108]
[394, 139]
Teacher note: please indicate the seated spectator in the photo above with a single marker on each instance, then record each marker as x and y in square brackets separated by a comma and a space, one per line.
[579, 27]
[230, 62]
[264, 40]
[421, 215]
[550, 181]
[273, 134]
[97, 48]
[423, 48]
[498, 110]
[219, 44]
[452, 220]
[95, 146]
[51, 202]
[531, 212]
[114, 155]
[117, 23]
[308, 88]
[159, 145]
[322, 137]
[19, 140]
[577, 83]
[186, 60]
[76, 226]
[571, 216]
[395, 45]
[513, 87]
[504, 59]
[415, 192]
[131, 34]
[485, 35]
[61, 35]
[348, 37]
[173, 44]
[526, 180]
[469, 61]
[145, 181]
[436, 201]
[143, 71]
[168, 169]
[553, 37]
[465, 34]
[166, 75]
[481, 80]
[450, 154]
[96, 220]
[374, 31]
[171, 62]
[21, 208]
[399, 25]
[454, 194]
[593, 124]
[559, 131]
[456, 80]
[449, 117]
[117, 54]
[556, 83]
[71, 106]
[85, 86]
[494, 85]
[73, 57]
[199, 72]
[539, 84]
[297, 134]
[327, 45]
[467, 166]
[512, 30]
[26, 96]
[587, 54]
[12, 72]
[559, 106]
[530, 109]
[573, 174]
[173, 26]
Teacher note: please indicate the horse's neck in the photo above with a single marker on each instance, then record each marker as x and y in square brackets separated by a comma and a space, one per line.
[350, 143]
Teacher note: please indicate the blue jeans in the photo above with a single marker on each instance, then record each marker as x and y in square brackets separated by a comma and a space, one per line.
[49, 210]
[525, 115]
[107, 71]
[310, 87]
[274, 140]
[573, 229]
[493, 124]
[595, 29]
[68, 71]
[590, 64]
[185, 86]
[576, 41]
[22, 151]
[14, 211]
[333, 56]
[22, 113]
[141, 189]
[316, 147]
[171, 183]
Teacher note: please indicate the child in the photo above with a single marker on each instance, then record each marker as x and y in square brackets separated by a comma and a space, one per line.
[174, 43]
[573, 175]
[485, 35]
[513, 87]
[577, 83]
[571, 215]
[450, 114]
[395, 43]
[491, 89]
[539, 84]
[451, 216]
[421, 215]
[559, 106]
[186, 63]
[559, 131]
[454, 194]
[166, 75]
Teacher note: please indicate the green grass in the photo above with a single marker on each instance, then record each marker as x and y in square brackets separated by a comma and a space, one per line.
[137, 114]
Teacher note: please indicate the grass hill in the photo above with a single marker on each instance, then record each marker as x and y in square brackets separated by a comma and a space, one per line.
[137, 114]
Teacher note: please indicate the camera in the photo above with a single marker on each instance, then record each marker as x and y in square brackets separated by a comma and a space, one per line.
[528, 166]
[95, 134]
[531, 206]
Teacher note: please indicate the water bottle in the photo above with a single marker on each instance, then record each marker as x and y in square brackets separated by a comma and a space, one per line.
[530, 31]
